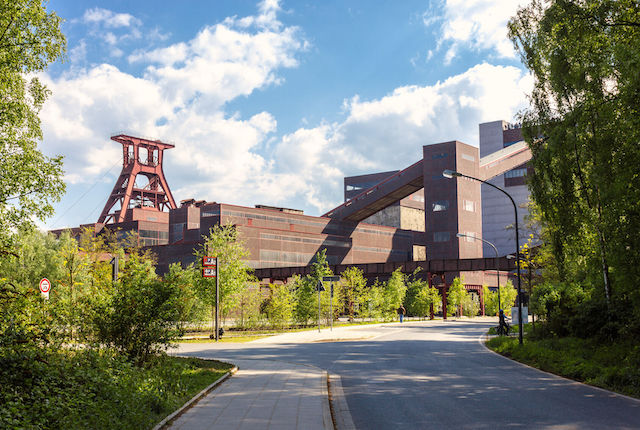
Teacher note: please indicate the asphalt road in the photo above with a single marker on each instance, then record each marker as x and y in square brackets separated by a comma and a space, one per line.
[437, 375]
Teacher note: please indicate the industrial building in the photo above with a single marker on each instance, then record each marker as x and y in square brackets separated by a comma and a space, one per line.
[395, 217]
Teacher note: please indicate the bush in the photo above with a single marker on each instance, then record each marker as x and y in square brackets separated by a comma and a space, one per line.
[143, 315]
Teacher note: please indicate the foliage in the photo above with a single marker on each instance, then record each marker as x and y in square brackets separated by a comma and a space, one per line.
[507, 296]
[143, 316]
[374, 302]
[306, 299]
[97, 390]
[556, 305]
[583, 129]
[279, 307]
[614, 366]
[30, 182]
[471, 305]
[456, 296]
[353, 291]
[420, 297]
[393, 293]
[189, 307]
[234, 273]
[247, 309]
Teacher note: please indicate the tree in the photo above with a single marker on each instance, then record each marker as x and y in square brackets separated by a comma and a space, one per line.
[394, 291]
[456, 295]
[248, 303]
[306, 299]
[143, 315]
[190, 308]
[30, 39]
[353, 291]
[234, 274]
[279, 307]
[583, 129]
[419, 297]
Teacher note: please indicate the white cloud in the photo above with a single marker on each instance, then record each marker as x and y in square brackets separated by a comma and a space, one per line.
[478, 24]
[388, 133]
[108, 18]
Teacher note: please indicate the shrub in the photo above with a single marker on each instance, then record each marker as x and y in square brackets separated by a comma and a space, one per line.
[143, 315]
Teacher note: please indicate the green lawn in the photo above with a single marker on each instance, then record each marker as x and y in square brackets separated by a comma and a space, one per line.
[97, 390]
[614, 366]
[237, 335]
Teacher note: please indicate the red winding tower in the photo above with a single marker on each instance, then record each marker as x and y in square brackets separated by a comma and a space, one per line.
[141, 157]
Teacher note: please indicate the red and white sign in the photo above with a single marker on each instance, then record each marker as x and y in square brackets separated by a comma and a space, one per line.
[45, 286]
[209, 261]
[209, 272]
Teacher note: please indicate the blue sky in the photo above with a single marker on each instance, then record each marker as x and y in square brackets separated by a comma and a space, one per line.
[272, 102]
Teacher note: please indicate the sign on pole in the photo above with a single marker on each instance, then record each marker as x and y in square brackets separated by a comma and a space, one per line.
[208, 272]
[209, 261]
[45, 287]
[330, 278]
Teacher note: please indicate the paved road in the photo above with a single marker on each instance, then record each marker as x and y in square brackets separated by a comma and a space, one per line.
[437, 375]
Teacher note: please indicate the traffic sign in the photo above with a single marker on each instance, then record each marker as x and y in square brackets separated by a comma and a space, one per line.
[330, 278]
[209, 272]
[45, 286]
[209, 261]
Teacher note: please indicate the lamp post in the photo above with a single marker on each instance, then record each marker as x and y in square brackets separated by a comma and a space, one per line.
[449, 174]
[497, 261]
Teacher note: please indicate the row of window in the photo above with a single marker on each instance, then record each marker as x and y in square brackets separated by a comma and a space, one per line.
[325, 242]
[154, 234]
[443, 205]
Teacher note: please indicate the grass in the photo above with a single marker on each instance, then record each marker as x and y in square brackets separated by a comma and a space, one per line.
[239, 335]
[613, 366]
[99, 390]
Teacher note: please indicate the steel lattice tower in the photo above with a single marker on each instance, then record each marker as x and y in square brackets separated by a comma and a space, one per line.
[156, 194]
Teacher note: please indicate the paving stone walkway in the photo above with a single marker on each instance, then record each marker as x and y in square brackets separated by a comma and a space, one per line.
[263, 395]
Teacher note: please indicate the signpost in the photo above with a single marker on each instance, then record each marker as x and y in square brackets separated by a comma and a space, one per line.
[332, 280]
[210, 270]
[45, 287]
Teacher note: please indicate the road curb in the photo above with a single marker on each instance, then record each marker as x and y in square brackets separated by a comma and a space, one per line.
[484, 337]
[327, 416]
[173, 416]
[342, 419]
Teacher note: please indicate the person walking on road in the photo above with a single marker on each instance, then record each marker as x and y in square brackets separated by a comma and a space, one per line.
[401, 312]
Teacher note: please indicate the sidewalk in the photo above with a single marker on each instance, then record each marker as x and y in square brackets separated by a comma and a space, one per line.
[264, 395]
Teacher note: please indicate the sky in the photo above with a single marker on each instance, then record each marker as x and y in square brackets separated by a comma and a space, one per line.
[272, 102]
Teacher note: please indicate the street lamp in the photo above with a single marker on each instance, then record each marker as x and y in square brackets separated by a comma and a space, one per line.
[449, 174]
[497, 261]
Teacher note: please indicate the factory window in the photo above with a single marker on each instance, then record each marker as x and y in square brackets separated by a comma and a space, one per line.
[440, 155]
[440, 205]
[469, 205]
[211, 212]
[417, 198]
[178, 227]
[441, 236]
[516, 173]
[468, 157]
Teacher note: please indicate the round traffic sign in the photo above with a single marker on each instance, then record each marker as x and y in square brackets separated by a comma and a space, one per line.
[45, 285]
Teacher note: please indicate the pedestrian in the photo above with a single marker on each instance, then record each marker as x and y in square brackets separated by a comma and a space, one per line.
[401, 312]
